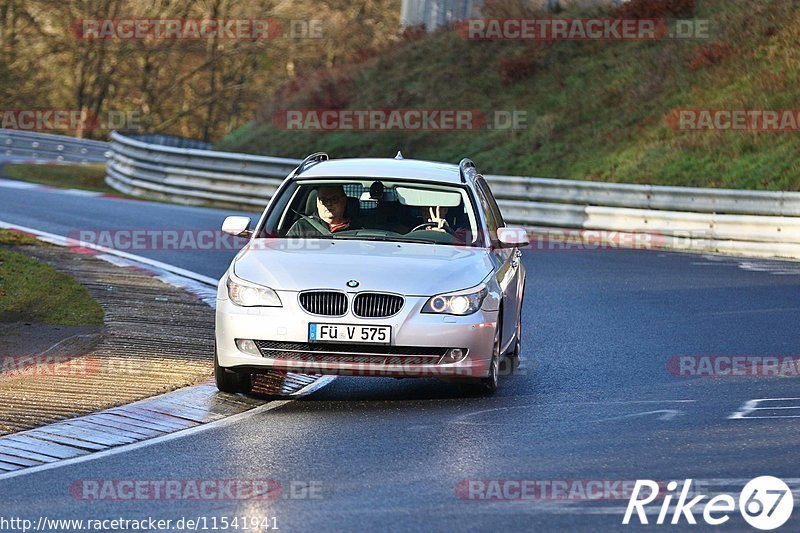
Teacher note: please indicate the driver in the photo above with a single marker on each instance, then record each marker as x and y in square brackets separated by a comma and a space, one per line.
[330, 215]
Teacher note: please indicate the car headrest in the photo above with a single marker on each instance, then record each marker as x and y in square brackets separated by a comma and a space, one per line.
[353, 207]
[311, 203]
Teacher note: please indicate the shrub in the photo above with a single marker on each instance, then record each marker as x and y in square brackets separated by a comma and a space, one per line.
[711, 54]
[519, 66]
[413, 33]
[512, 9]
[654, 9]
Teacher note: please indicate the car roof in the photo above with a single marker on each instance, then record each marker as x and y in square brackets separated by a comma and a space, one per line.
[407, 169]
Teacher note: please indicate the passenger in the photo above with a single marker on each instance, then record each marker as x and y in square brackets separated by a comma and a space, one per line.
[331, 215]
[434, 218]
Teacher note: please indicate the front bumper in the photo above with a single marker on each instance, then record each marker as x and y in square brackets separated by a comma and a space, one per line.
[410, 328]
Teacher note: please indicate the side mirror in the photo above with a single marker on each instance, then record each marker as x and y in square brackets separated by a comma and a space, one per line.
[513, 237]
[237, 226]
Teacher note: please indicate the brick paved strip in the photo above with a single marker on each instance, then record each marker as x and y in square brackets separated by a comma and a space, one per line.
[156, 338]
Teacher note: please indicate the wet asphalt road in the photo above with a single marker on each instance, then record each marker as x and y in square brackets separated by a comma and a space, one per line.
[593, 400]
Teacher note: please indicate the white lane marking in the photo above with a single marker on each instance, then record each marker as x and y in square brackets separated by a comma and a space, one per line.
[60, 240]
[666, 414]
[750, 406]
[775, 267]
[16, 184]
[625, 402]
[772, 268]
[462, 419]
[80, 192]
[749, 311]
[13, 184]
[200, 289]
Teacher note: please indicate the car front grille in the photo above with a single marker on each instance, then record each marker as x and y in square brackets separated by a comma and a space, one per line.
[350, 353]
[324, 303]
[376, 305]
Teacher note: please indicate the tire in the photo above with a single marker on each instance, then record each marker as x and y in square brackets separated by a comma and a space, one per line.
[511, 359]
[488, 385]
[230, 381]
[517, 350]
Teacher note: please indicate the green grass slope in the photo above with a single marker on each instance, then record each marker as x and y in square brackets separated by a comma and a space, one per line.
[595, 110]
[32, 291]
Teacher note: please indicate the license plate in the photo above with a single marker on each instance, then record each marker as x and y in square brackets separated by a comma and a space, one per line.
[349, 333]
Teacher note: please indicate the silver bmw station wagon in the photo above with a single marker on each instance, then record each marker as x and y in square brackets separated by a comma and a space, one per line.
[375, 267]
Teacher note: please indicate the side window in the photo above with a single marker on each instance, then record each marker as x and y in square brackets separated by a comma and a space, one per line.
[498, 216]
[491, 221]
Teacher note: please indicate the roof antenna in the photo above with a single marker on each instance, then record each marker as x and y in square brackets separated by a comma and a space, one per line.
[399, 155]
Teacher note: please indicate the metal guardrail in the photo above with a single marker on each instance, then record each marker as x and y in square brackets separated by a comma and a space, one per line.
[162, 139]
[748, 222]
[48, 148]
[698, 200]
[193, 176]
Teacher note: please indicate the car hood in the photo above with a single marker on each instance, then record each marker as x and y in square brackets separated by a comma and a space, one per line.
[406, 268]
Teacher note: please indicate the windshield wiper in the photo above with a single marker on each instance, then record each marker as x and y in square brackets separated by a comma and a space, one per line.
[418, 240]
[382, 239]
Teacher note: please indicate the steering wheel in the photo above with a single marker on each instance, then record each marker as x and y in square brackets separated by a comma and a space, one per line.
[433, 227]
[425, 225]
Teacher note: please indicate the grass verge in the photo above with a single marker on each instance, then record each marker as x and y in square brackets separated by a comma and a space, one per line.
[86, 177]
[31, 291]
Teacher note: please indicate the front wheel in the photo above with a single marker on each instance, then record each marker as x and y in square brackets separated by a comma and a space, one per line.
[488, 385]
[230, 381]
[517, 349]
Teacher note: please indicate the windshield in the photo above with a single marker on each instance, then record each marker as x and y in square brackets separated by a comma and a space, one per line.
[374, 210]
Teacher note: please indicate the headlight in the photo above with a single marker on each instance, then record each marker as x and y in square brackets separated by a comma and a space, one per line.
[460, 303]
[251, 295]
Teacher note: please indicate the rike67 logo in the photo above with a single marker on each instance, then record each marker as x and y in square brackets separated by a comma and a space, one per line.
[765, 503]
